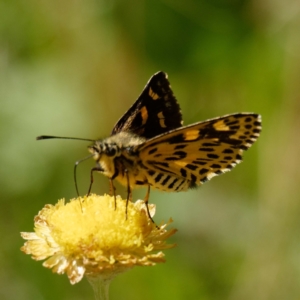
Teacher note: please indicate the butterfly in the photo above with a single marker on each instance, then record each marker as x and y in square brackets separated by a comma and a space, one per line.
[149, 146]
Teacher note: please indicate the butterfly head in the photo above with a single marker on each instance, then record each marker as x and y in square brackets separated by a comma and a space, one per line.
[113, 153]
[104, 153]
[101, 149]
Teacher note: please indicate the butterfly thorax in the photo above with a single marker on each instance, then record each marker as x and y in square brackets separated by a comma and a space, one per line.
[116, 156]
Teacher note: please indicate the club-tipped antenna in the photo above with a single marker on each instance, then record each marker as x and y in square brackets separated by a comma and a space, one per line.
[47, 137]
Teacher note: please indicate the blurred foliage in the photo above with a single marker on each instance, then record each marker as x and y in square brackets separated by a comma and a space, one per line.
[72, 68]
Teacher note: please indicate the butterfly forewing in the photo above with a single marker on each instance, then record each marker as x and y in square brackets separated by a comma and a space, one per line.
[156, 111]
[192, 155]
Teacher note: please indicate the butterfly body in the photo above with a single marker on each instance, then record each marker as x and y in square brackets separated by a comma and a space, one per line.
[117, 157]
[150, 147]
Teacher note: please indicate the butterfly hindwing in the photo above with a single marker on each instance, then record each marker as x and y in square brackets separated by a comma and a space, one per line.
[199, 151]
[156, 111]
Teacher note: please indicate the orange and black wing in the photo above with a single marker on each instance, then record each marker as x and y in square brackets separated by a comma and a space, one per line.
[156, 111]
[193, 154]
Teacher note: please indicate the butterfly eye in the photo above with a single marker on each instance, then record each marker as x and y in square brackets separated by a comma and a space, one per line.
[110, 151]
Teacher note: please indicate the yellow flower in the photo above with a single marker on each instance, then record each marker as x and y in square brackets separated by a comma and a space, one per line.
[88, 236]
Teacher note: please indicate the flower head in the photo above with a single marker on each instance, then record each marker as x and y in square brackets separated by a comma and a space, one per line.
[88, 236]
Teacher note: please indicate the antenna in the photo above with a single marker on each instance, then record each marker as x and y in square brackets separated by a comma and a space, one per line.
[47, 137]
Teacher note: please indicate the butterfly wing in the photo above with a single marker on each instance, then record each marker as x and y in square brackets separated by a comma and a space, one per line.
[156, 111]
[198, 152]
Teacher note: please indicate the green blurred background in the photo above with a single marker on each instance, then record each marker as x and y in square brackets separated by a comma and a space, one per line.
[72, 68]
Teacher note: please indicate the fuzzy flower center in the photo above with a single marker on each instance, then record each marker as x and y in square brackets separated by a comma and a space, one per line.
[89, 236]
[99, 225]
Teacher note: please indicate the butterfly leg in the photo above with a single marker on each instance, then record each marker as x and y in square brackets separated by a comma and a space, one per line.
[129, 192]
[112, 191]
[146, 203]
[96, 169]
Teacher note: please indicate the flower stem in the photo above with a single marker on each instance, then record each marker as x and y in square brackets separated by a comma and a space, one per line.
[100, 286]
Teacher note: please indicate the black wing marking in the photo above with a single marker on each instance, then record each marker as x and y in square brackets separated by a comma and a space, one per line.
[156, 111]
